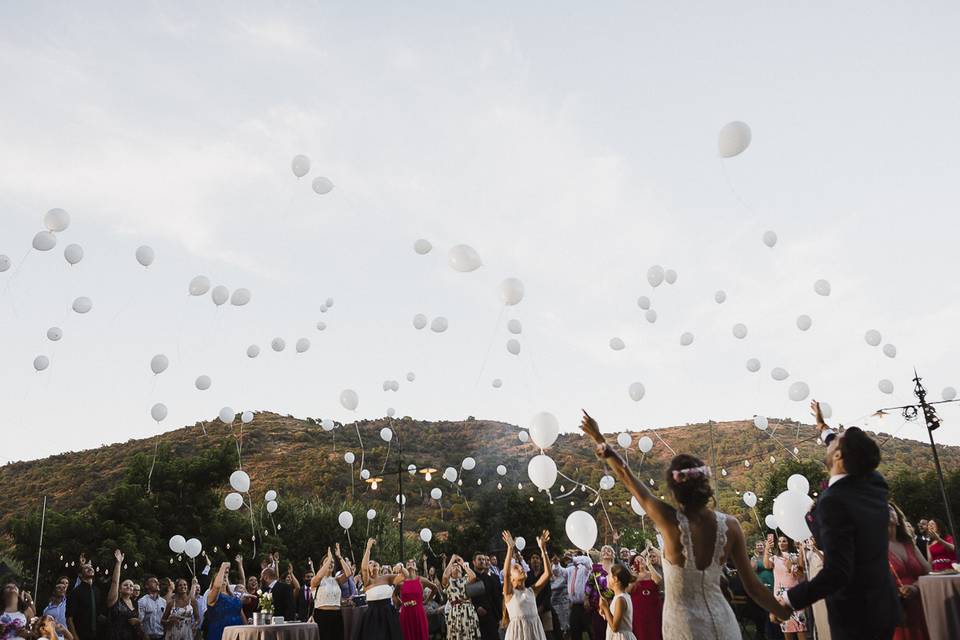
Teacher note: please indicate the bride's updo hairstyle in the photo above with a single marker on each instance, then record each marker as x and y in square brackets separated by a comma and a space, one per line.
[689, 480]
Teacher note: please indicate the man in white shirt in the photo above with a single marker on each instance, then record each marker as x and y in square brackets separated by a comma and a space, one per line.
[151, 607]
[577, 575]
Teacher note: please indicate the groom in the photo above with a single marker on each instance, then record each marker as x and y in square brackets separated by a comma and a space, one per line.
[850, 523]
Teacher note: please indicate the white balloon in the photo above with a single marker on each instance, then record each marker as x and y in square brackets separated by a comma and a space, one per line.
[607, 482]
[790, 510]
[56, 220]
[779, 374]
[322, 185]
[397, 499]
[328, 303]
[873, 337]
[670, 276]
[324, 308]
[278, 344]
[439, 324]
[770, 521]
[450, 474]
[193, 547]
[426, 535]
[411, 376]
[300, 165]
[386, 434]
[750, 499]
[220, 294]
[643, 302]
[753, 365]
[391, 412]
[734, 139]
[804, 322]
[511, 291]
[798, 391]
[178, 544]
[145, 256]
[246, 417]
[345, 519]
[501, 470]
[349, 399]
[581, 529]
[523, 436]
[240, 297]
[240, 481]
[655, 275]
[422, 247]
[885, 386]
[542, 471]
[617, 344]
[253, 351]
[739, 331]
[349, 458]
[54, 334]
[464, 258]
[199, 285]
[371, 514]
[5, 262]
[544, 429]
[826, 410]
[624, 440]
[637, 507]
[158, 412]
[321, 325]
[821, 287]
[202, 383]
[270, 495]
[497, 383]
[227, 415]
[82, 304]
[73, 253]
[419, 321]
[364, 474]
[468, 464]
[44, 241]
[890, 351]
[761, 422]
[159, 363]
[651, 315]
[515, 327]
[436, 493]
[686, 339]
[40, 363]
[327, 424]
[303, 345]
[233, 501]
[645, 444]
[520, 543]
[513, 346]
[798, 483]
[272, 506]
[770, 238]
[637, 391]
[948, 393]
[394, 385]
[720, 296]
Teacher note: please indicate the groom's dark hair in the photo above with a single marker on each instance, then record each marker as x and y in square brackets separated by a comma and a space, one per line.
[860, 453]
[690, 490]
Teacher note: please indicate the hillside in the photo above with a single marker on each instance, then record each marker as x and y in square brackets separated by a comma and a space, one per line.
[296, 457]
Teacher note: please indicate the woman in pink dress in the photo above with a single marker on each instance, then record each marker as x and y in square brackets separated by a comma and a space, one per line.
[907, 565]
[645, 597]
[413, 617]
[940, 552]
[787, 569]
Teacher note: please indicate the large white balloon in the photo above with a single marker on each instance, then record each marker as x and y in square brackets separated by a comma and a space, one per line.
[637, 507]
[44, 241]
[178, 544]
[753, 365]
[158, 412]
[890, 351]
[468, 464]
[637, 391]
[581, 529]
[779, 374]
[327, 424]
[655, 275]
[511, 291]
[804, 322]
[464, 258]
[885, 386]
[720, 297]
[617, 344]
[422, 247]
[645, 444]
[4, 263]
[56, 220]
[246, 417]
[300, 165]
[386, 434]
[227, 415]
[624, 440]
[159, 363]
[220, 294]
[240, 297]
[349, 458]
[513, 346]
[821, 287]
[643, 302]
[450, 474]
[790, 510]
[73, 253]
[419, 321]
[520, 543]
[761, 422]
[770, 238]
[542, 471]
[253, 351]
[193, 547]
[40, 363]
[734, 139]
[544, 429]
[145, 255]
[439, 324]
[426, 535]
[202, 383]
[686, 339]
[798, 483]
[873, 337]
[303, 345]
[54, 334]
[278, 344]
[272, 506]
[770, 521]
[523, 436]
[240, 481]
[345, 519]
[371, 514]
[199, 285]
[607, 481]
[349, 399]
[739, 331]
[322, 185]
[750, 499]
[233, 501]
[798, 391]
[436, 493]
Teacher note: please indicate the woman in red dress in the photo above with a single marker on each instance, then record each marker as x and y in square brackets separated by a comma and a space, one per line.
[413, 617]
[645, 596]
[907, 565]
[940, 552]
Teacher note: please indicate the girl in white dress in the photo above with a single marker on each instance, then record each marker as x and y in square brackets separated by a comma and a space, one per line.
[696, 543]
[619, 612]
[520, 601]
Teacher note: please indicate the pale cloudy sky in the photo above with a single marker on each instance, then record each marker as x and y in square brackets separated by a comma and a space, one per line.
[572, 144]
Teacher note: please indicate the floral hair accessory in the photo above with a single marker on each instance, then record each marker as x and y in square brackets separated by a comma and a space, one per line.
[682, 475]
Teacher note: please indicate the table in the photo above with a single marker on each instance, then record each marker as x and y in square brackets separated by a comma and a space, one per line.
[941, 605]
[285, 631]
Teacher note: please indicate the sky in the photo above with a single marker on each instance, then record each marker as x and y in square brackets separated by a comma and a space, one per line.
[573, 145]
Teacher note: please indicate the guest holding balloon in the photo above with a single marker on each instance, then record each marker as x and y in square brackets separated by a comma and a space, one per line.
[462, 621]
[520, 601]
[122, 613]
[788, 572]
[180, 613]
[907, 564]
[326, 601]
[223, 608]
[940, 551]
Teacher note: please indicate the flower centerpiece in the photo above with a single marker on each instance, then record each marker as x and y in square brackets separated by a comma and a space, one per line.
[264, 612]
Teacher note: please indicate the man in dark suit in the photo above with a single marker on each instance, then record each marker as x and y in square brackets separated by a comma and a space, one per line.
[489, 606]
[283, 604]
[850, 524]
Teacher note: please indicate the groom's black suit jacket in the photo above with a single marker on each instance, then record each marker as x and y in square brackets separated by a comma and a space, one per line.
[850, 526]
[283, 604]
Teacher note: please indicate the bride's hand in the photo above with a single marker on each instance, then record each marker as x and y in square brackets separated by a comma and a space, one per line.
[590, 427]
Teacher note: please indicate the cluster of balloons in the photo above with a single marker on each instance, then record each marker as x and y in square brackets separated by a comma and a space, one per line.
[192, 547]
[300, 165]
[790, 508]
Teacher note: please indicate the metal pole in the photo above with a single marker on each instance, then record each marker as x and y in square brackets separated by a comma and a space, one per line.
[43, 521]
[400, 476]
[943, 491]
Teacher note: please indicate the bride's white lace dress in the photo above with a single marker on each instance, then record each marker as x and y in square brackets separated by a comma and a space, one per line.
[694, 607]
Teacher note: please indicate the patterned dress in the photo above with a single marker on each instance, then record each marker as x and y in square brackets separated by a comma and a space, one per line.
[119, 617]
[783, 581]
[462, 621]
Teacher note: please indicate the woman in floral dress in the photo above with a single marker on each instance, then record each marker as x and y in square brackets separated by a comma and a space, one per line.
[462, 621]
[787, 573]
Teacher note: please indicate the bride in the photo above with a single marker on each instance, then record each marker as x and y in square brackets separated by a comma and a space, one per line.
[696, 543]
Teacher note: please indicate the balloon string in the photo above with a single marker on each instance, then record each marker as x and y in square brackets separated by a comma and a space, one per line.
[13, 276]
[736, 194]
[156, 444]
[754, 509]
[493, 337]
[664, 442]
[389, 442]
[253, 530]
[362, 458]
